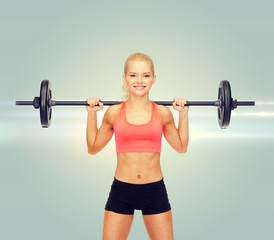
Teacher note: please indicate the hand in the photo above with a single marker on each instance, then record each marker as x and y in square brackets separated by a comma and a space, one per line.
[92, 102]
[180, 102]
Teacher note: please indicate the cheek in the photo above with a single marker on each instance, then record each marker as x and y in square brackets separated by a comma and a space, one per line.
[131, 80]
[149, 82]
[128, 81]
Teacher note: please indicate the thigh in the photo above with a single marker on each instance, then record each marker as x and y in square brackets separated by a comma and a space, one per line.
[116, 226]
[159, 226]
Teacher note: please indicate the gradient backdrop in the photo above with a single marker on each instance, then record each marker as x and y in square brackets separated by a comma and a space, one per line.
[51, 188]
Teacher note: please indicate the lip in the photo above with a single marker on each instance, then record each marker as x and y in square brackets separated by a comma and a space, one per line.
[139, 88]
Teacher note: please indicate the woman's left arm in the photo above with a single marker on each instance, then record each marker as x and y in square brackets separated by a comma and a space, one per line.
[178, 104]
[183, 129]
[176, 137]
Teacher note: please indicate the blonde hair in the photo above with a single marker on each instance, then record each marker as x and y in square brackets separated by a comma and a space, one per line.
[134, 57]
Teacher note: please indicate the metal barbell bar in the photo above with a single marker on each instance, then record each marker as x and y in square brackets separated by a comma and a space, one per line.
[225, 103]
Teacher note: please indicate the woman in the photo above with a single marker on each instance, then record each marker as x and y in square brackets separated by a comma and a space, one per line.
[138, 124]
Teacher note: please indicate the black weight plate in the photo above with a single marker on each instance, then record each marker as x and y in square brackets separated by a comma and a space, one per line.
[45, 108]
[224, 110]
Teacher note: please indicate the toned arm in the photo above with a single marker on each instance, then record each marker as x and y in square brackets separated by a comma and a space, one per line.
[98, 139]
[176, 137]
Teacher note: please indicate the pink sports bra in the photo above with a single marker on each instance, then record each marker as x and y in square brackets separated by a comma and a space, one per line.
[138, 138]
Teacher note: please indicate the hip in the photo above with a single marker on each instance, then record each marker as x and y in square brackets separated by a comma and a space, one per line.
[138, 176]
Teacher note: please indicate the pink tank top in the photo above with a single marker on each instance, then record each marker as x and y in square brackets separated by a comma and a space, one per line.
[138, 138]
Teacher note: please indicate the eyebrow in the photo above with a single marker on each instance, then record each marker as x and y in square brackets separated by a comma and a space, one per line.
[143, 73]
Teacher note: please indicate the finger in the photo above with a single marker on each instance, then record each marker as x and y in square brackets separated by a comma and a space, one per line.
[101, 105]
[93, 102]
[175, 103]
[89, 101]
[183, 102]
[98, 101]
[180, 103]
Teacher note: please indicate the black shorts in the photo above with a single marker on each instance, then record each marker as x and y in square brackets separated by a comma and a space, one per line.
[151, 198]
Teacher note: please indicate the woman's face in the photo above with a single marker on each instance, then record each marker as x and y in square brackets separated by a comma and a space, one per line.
[139, 77]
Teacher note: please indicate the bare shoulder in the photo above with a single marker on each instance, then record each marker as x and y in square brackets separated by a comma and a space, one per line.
[165, 113]
[112, 112]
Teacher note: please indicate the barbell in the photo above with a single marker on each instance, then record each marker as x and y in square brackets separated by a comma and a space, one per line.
[225, 103]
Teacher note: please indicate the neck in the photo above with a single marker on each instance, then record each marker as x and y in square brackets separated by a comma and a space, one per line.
[138, 102]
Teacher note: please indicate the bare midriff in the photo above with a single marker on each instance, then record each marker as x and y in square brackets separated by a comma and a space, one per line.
[138, 167]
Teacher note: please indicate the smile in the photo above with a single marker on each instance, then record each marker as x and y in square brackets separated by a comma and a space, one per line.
[139, 87]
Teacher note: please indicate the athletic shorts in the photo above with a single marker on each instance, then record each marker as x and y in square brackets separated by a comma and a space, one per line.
[151, 198]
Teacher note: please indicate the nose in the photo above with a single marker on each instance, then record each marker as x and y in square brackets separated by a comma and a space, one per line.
[139, 79]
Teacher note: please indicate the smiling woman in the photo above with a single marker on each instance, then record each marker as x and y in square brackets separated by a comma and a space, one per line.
[138, 124]
[137, 57]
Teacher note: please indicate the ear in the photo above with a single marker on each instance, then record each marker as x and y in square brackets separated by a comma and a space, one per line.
[124, 79]
[154, 79]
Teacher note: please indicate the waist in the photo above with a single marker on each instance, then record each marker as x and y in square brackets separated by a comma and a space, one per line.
[138, 167]
[137, 185]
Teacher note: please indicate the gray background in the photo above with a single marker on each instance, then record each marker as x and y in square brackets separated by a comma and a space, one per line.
[222, 188]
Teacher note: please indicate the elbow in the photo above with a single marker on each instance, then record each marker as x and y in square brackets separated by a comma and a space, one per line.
[182, 150]
[92, 152]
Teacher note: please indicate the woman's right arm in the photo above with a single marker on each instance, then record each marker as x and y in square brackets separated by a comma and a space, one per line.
[97, 139]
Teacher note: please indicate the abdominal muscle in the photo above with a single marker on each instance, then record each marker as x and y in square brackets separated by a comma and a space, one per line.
[138, 167]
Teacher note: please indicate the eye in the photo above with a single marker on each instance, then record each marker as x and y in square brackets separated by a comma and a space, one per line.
[147, 76]
[132, 75]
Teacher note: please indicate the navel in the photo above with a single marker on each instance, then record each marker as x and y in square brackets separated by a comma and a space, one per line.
[138, 176]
